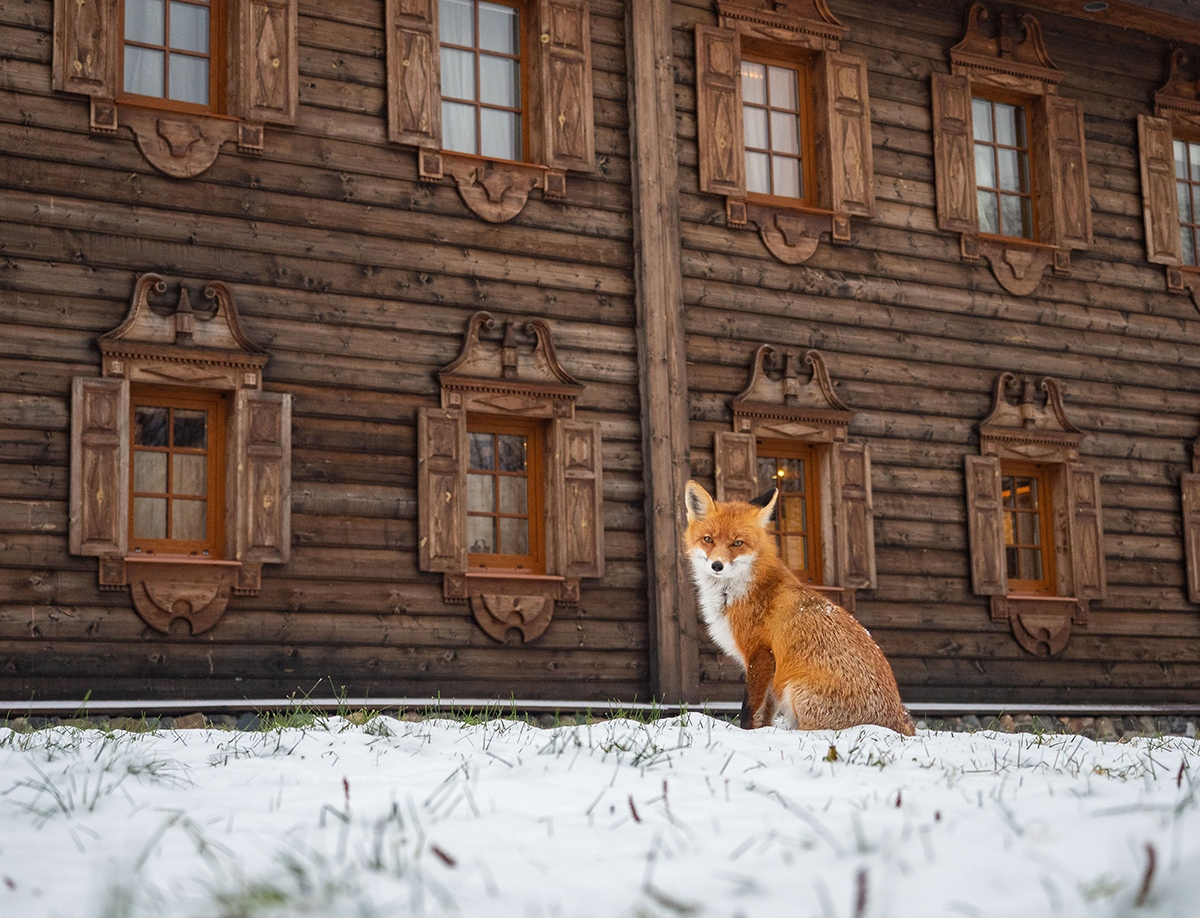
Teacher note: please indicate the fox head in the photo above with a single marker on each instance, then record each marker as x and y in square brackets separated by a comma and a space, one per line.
[724, 539]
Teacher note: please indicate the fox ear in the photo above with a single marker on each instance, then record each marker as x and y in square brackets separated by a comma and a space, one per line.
[699, 503]
[766, 501]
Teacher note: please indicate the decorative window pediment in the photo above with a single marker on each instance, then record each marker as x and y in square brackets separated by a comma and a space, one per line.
[1023, 204]
[484, 540]
[1034, 516]
[180, 463]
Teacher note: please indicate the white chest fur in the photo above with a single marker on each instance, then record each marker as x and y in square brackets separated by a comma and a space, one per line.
[716, 591]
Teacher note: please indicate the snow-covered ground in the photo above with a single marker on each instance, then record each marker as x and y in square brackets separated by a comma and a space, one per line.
[683, 816]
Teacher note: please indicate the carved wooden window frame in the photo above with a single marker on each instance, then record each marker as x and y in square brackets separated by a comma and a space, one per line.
[559, 106]
[1028, 424]
[190, 350]
[992, 59]
[1043, 511]
[510, 372]
[534, 560]
[1176, 117]
[816, 471]
[808, 34]
[260, 79]
[778, 405]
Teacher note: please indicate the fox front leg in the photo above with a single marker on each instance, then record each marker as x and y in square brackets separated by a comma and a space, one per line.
[758, 707]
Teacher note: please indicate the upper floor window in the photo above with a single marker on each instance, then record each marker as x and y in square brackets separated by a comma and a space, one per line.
[779, 160]
[170, 50]
[793, 468]
[504, 486]
[1004, 188]
[1187, 188]
[1028, 534]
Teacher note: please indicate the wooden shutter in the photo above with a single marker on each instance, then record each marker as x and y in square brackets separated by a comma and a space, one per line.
[954, 154]
[263, 489]
[845, 135]
[1189, 484]
[719, 131]
[985, 526]
[1071, 202]
[578, 506]
[735, 458]
[442, 489]
[414, 75]
[855, 516]
[265, 60]
[87, 47]
[99, 523]
[1160, 206]
[565, 74]
[1087, 531]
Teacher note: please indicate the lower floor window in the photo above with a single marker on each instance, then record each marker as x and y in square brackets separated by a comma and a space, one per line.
[1028, 533]
[793, 469]
[504, 494]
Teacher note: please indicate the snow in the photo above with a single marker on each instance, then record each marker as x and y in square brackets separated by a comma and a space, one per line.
[683, 816]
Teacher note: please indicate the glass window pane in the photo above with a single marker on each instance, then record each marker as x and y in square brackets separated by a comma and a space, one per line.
[458, 74]
[499, 81]
[1012, 213]
[481, 494]
[190, 429]
[513, 496]
[458, 127]
[1006, 491]
[1195, 206]
[500, 134]
[1189, 244]
[145, 22]
[785, 173]
[981, 118]
[456, 22]
[1026, 493]
[481, 535]
[785, 133]
[1010, 559]
[794, 517]
[499, 28]
[1009, 119]
[1031, 564]
[512, 452]
[989, 212]
[514, 537]
[149, 426]
[482, 447]
[1028, 532]
[755, 122]
[1010, 170]
[985, 167]
[189, 79]
[758, 173]
[188, 520]
[754, 83]
[1193, 155]
[189, 27]
[189, 474]
[793, 550]
[791, 475]
[1183, 194]
[149, 472]
[150, 517]
[144, 72]
[1181, 165]
[781, 86]
[766, 473]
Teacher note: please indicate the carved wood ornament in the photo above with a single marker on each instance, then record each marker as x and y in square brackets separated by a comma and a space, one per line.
[1028, 423]
[840, 106]
[165, 340]
[510, 369]
[1007, 54]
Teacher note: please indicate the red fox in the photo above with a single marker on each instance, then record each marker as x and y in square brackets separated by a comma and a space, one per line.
[805, 658]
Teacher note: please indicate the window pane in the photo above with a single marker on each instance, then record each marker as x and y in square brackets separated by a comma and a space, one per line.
[758, 173]
[1010, 560]
[781, 86]
[188, 520]
[144, 22]
[1009, 125]
[189, 27]
[189, 79]
[458, 127]
[150, 426]
[499, 29]
[456, 22]
[1189, 244]
[1026, 493]
[786, 176]
[512, 452]
[989, 212]
[1193, 155]
[189, 475]
[190, 429]
[149, 472]
[785, 133]
[791, 475]
[514, 537]
[985, 167]
[1012, 215]
[1031, 564]
[1183, 194]
[501, 134]
[150, 517]
[513, 497]
[481, 535]
[458, 74]
[766, 473]
[499, 81]
[981, 117]
[144, 72]
[755, 121]
[754, 83]
[794, 518]
[482, 446]
[1181, 166]
[1010, 170]
[481, 494]
[794, 553]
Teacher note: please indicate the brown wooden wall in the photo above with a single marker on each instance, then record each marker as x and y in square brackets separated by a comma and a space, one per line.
[358, 280]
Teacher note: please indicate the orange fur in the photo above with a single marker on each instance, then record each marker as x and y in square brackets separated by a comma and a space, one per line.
[804, 656]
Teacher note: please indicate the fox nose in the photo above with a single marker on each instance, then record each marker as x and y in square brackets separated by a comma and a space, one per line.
[717, 567]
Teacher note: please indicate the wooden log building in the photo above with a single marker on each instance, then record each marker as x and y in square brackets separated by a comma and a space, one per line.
[371, 342]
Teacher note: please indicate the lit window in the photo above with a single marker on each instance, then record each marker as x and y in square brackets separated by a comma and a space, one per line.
[792, 468]
[168, 50]
[773, 118]
[1002, 176]
[481, 78]
[1028, 533]
[176, 472]
[1187, 187]
[504, 485]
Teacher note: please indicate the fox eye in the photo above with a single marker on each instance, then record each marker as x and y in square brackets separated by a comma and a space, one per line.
[737, 543]
[708, 539]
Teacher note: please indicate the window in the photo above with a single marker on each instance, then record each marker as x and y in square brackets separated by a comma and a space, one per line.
[1187, 189]
[504, 487]
[177, 468]
[1003, 185]
[793, 469]
[1028, 534]
[171, 50]
[779, 154]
